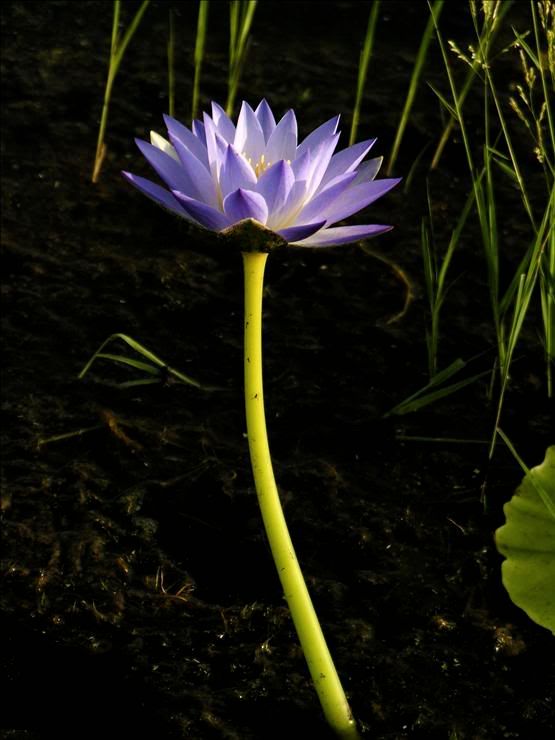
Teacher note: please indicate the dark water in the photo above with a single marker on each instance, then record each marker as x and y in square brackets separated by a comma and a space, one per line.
[138, 592]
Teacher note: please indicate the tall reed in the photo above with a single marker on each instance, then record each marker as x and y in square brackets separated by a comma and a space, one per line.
[117, 50]
[364, 61]
[241, 13]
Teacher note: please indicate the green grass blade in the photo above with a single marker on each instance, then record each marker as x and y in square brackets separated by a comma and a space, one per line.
[171, 65]
[202, 25]
[365, 56]
[425, 400]
[117, 50]
[414, 81]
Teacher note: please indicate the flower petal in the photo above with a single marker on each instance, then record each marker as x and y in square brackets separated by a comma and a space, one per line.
[321, 156]
[236, 173]
[249, 139]
[286, 215]
[357, 197]
[319, 134]
[341, 235]
[368, 170]
[172, 172]
[346, 160]
[163, 144]
[224, 125]
[156, 193]
[318, 205]
[198, 173]
[216, 147]
[274, 185]
[243, 204]
[206, 216]
[301, 231]
[265, 119]
[282, 143]
[197, 128]
[177, 130]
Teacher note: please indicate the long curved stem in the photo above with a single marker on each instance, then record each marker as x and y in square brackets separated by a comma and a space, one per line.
[320, 663]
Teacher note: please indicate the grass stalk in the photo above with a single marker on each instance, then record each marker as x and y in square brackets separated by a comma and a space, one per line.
[241, 13]
[467, 85]
[117, 50]
[171, 64]
[202, 24]
[414, 81]
[364, 61]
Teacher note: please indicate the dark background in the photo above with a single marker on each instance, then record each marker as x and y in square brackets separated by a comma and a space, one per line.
[138, 592]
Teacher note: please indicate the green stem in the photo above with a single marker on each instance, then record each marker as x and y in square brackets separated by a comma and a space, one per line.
[320, 663]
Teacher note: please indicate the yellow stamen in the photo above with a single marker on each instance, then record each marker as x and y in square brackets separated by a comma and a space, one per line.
[261, 166]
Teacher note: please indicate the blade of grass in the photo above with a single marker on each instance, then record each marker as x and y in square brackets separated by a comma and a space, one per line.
[364, 61]
[241, 13]
[117, 50]
[138, 364]
[525, 290]
[467, 85]
[202, 25]
[414, 81]
[171, 64]
[425, 400]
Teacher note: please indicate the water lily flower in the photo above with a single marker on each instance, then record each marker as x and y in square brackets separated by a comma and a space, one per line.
[217, 174]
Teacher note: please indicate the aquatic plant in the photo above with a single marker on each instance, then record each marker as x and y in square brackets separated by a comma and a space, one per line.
[219, 174]
[254, 184]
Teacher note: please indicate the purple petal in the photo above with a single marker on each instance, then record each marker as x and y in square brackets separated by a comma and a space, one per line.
[342, 235]
[236, 173]
[368, 170]
[346, 160]
[197, 128]
[243, 204]
[321, 157]
[286, 215]
[177, 131]
[282, 143]
[173, 173]
[249, 139]
[274, 186]
[224, 125]
[294, 233]
[319, 134]
[216, 147]
[357, 197]
[156, 193]
[316, 207]
[206, 216]
[202, 179]
[265, 119]
[302, 166]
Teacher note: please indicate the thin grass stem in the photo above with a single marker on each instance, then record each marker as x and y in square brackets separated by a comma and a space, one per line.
[364, 61]
[414, 81]
[241, 13]
[117, 50]
[202, 24]
[171, 64]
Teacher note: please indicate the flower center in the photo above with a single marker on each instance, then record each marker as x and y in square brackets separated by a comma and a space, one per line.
[259, 166]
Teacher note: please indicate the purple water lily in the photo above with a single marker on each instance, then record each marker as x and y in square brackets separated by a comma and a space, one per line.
[219, 174]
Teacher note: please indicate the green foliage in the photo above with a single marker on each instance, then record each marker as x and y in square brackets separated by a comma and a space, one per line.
[527, 541]
[364, 61]
[156, 368]
[117, 50]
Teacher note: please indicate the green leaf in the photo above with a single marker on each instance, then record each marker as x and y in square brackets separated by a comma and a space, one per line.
[527, 541]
